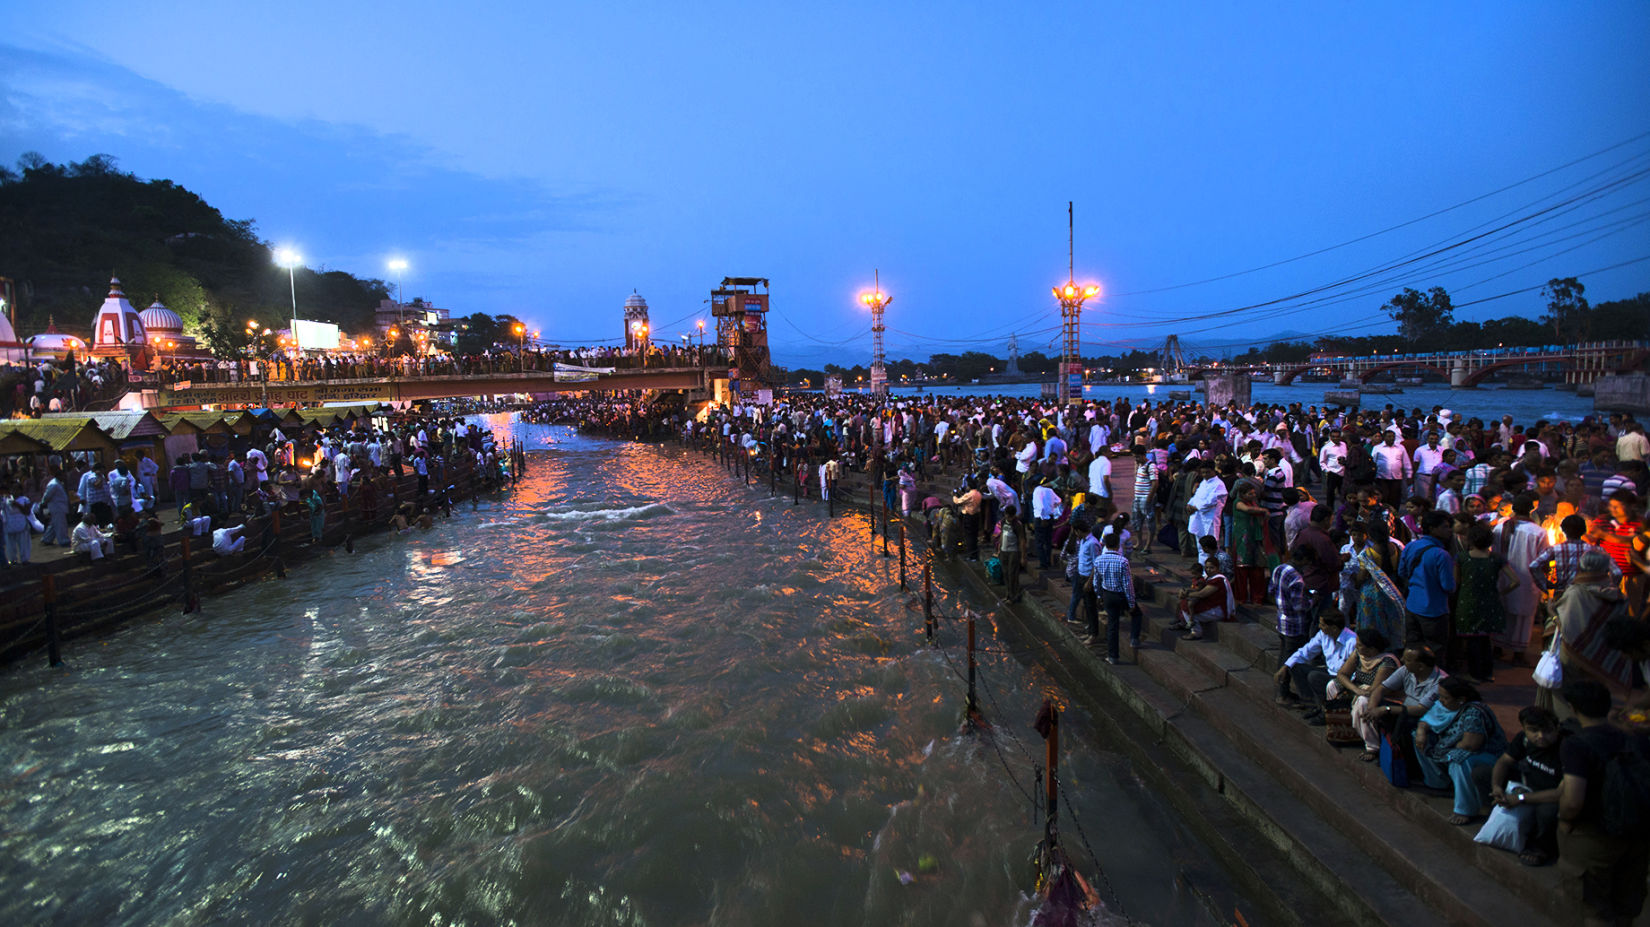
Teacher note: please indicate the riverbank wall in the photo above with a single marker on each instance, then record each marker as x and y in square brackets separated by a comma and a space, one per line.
[59, 598]
[1628, 392]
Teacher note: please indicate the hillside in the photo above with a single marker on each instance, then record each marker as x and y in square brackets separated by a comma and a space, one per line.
[66, 229]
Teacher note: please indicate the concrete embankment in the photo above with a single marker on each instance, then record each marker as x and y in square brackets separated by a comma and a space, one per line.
[1301, 823]
[85, 597]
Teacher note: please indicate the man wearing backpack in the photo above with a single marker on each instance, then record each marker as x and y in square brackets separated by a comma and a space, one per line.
[1604, 809]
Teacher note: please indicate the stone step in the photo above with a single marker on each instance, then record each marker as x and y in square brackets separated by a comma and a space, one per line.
[1210, 707]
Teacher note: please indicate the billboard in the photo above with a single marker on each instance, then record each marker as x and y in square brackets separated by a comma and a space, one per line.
[315, 336]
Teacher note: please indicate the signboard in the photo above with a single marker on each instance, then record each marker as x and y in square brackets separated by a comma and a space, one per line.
[315, 336]
[309, 394]
[1074, 380]
[879, 382]
[833, 387]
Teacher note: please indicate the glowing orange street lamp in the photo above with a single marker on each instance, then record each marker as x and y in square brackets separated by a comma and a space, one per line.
[877, 301]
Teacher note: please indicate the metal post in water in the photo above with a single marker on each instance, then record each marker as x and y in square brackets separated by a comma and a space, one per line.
[54, 643]
[928, 600]
[796, 488]
[973, 704]
[902, 553]
[880, 497]
[1053, 760]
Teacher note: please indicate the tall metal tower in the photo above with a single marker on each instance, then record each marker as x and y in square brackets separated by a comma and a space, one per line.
[1071, 297]
[878, 301]
[1171, 359]
[1013, 355]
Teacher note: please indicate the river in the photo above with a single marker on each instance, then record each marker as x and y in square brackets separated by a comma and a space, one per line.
[634, 693]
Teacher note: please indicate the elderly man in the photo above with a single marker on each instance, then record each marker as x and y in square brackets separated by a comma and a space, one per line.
[1206, 502]
[89, 540]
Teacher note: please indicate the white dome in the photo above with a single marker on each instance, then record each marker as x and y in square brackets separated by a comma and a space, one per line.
[55, 343]
[158, 318]
[634, 301]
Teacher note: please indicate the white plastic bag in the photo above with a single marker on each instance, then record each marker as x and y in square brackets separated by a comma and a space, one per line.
[1549, 672]
[1506, 828]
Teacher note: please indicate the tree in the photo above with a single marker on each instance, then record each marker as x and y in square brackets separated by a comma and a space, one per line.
[1566, 308]
[1419, 316]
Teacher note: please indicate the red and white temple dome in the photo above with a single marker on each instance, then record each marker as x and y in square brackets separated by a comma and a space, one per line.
[117, 323]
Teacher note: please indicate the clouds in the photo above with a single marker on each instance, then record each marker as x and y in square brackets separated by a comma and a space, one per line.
[346, 197]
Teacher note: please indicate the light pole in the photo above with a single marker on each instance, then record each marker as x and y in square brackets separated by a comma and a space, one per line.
[400, 267]
[878, 301]
[640, 328]
[1071, 297]
[291, 260]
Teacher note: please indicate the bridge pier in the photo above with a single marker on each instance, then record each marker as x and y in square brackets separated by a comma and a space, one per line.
[1458, 373]
[1279, 377]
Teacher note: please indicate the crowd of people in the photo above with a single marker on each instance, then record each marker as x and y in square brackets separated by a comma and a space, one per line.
[29, 390]
[124, 506]
[498, 360]
[1404, 557]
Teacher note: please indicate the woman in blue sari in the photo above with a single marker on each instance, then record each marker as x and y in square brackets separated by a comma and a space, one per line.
[1457, 734]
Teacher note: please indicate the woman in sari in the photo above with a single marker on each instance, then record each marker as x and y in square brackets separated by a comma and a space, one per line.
[1358, 679]
[1380, 601]
[1207, 600]
[1458, 733]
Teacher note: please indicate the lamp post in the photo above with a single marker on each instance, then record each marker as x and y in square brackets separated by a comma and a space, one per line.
[400, 267]
[1071, 297]
[878, 301]
[290, 259]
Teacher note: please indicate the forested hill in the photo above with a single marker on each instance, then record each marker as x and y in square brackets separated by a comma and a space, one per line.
[66, 229]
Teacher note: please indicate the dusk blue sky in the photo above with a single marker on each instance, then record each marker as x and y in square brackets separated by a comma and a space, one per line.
[546, 159]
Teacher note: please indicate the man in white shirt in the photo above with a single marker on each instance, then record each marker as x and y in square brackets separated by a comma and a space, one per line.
[1392, 468]
[1319, 660]
[1100, 474]
[1427, 458]
[1332, 461]
[1206, 503]
[1045, 507]
[226, 541]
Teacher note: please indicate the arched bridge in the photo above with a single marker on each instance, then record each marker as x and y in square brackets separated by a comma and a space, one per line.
[1578, 363]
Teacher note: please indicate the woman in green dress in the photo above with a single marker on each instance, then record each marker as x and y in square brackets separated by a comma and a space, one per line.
[317, 514]
[1482, 579]
[1250, 545]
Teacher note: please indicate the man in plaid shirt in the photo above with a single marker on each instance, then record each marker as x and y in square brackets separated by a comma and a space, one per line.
[1115, 583]
[1294, 612]
[1564, 560]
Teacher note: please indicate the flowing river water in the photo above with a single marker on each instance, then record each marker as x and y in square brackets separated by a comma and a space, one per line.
[633, 693]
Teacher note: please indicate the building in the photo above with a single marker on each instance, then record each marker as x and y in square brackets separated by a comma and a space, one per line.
[415, 315]
[11, 349]
[117, 332]
[164, 331]
[52, 344]
[637, 330]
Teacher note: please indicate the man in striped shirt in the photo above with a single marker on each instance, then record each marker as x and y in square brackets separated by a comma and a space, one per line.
[1294, 612]
[1145, 487]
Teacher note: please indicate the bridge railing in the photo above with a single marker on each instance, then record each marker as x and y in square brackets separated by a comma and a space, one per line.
[365, 367]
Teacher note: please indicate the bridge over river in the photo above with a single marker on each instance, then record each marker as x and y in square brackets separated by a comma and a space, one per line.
[267, 393]
[1576, 363]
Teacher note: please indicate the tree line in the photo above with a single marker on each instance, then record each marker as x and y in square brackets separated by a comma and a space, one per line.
[65, 229]
[1426, 323]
